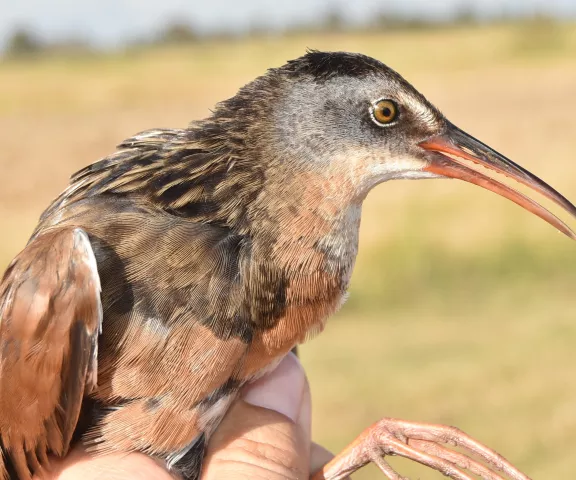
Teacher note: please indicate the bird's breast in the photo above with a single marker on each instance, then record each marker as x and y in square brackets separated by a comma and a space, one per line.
[298, 323]
[313, 286]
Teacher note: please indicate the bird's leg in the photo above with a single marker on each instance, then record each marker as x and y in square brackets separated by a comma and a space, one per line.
[422, 443]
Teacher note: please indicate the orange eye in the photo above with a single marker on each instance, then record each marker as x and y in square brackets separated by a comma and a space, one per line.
[384, 112]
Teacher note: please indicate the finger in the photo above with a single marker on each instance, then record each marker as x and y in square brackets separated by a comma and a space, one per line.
[267, 433]
[80, 465]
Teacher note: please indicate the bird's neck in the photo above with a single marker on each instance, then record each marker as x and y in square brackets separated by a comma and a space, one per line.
[309, 227]
[302, 256]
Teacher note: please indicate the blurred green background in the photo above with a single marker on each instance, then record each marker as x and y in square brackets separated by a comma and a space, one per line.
[462, 305]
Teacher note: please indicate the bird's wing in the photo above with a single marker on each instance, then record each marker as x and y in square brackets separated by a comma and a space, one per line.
[50, 319]
[177, 323]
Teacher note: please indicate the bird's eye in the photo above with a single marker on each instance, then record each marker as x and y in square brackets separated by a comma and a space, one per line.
[384, 112]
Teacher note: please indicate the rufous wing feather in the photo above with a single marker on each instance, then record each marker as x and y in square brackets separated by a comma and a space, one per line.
[50, 319]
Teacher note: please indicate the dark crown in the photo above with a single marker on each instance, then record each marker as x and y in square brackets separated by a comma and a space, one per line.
[326, 65]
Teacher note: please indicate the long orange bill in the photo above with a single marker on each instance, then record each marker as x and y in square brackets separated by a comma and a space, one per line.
[460, 145]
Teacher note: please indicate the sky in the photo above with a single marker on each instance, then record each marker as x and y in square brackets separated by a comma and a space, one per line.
[109, 23]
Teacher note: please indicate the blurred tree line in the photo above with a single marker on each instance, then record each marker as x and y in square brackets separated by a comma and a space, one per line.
[24, 43]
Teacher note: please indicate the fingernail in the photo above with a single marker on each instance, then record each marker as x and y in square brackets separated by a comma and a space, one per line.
[281, 390]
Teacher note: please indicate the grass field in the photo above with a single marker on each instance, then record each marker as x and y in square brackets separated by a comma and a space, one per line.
[462, 305]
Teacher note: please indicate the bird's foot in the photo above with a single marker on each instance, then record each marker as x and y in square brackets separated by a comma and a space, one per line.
[422, 443]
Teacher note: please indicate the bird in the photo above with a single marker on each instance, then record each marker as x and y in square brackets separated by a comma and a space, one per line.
[190, 261]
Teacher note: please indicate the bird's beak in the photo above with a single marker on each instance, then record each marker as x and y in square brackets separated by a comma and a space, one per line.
[461, 146]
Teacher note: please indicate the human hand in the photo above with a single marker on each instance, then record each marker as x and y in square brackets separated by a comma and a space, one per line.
[265, 435]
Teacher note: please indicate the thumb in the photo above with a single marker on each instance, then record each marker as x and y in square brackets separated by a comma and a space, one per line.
[266, 434]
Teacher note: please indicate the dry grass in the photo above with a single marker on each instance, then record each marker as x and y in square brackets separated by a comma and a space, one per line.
[506, 378]
[461, 310]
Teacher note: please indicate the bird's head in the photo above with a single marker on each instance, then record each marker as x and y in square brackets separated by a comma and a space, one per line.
[354, 122]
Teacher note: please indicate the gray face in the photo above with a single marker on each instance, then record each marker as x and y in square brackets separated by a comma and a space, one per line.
[329, 126]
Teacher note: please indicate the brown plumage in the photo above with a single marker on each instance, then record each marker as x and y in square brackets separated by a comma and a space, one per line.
[218, 248]
[49, 297]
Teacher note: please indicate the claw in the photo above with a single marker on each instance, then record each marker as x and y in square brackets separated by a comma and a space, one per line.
[422, 443]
